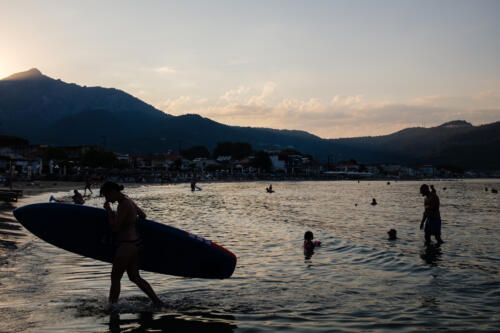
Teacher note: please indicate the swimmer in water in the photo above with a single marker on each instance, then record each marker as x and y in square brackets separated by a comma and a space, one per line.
[392, 234]
[374, 202]
[308, 241]
[431, 217]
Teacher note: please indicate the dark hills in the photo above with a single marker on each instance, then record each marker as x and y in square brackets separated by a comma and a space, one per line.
[45, 110]
[30, 102]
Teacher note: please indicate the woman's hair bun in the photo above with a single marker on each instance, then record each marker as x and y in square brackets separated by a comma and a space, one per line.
[110, 186]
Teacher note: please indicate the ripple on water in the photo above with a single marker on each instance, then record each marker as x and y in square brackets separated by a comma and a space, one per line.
[356, 281]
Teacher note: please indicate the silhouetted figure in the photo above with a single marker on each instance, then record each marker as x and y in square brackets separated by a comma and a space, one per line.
[52, 198]
[123, 224]
[308, 241]
[78, 198]
[374, 202]
[494, 190]
[193, 185]
[486, 189]
[431, 216]
[392, 234]
[88, 185]
[309, 244]
[269, 189]
[444, 188]
[388, 183]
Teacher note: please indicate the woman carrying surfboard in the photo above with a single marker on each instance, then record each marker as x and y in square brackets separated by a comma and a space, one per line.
[122, 223]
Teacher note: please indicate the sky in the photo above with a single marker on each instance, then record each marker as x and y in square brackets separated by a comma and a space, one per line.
[332, 68]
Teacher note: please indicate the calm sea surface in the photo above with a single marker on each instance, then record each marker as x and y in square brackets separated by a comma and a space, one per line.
[357, 281]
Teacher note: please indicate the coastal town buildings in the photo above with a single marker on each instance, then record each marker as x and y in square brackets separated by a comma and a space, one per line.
[24, 161]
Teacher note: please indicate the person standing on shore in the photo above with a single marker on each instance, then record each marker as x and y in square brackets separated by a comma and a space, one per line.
[122, 223]
[88, 184]
[431, 216]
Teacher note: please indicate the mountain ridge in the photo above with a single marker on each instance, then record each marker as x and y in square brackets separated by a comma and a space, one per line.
[45, 110]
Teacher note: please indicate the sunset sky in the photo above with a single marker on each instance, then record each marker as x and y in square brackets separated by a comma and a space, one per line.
[332, 68]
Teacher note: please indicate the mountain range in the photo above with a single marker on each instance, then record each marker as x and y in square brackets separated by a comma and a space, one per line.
[46, 110]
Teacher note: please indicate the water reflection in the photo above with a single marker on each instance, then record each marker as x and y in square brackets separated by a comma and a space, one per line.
[192, 322]
[429, 302]
[431, 254]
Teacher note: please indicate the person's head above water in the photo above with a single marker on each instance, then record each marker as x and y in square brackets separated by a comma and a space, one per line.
[424, 189]
[392, 234]
[308, 236]
[111, 191]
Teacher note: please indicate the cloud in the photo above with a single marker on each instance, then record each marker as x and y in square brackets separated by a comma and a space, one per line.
[173, 105]
[340, 116]
[235, 95]
[165, 69]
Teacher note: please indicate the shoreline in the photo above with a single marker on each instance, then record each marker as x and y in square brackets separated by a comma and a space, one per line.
[46, 186]
[42, 187]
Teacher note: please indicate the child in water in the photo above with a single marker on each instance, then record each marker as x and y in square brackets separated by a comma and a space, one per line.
[308, 241]
[392, 234]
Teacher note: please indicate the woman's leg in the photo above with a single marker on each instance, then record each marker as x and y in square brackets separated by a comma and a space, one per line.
[135, 277]
[119, 266]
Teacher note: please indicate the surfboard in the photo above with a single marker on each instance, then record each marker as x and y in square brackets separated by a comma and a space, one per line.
[198, 188]
[84, 230]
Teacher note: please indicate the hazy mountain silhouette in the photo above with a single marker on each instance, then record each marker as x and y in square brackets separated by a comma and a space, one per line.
[45, 110]
[31, 101]
[456, 143]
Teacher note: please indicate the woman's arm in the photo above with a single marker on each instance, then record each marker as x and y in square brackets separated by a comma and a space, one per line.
[116, 220]
[140, 212]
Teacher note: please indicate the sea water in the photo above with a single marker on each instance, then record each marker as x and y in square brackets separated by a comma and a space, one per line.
[356, 281]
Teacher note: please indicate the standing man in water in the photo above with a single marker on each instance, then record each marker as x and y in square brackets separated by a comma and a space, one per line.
[122, 223]
[431, 217]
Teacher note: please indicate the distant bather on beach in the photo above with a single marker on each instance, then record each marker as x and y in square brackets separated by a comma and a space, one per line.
[78, 198]
[88, 184]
